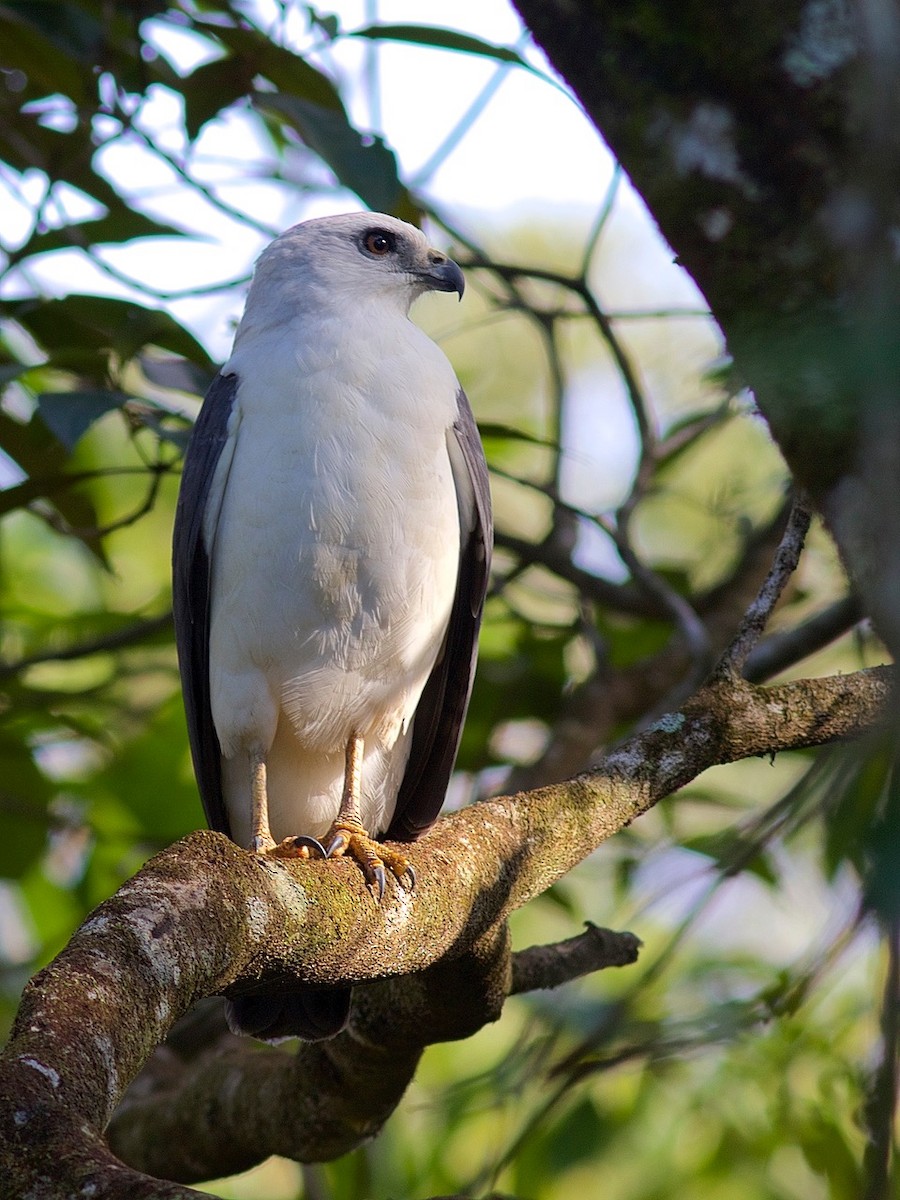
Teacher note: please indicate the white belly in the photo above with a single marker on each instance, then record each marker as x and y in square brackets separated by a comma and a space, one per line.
[335, 565]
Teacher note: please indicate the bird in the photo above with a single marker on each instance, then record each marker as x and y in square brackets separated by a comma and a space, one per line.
[331, 554]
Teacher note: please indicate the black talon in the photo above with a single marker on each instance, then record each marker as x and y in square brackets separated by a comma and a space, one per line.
[336, 842]
[410, 871]
[379, 881]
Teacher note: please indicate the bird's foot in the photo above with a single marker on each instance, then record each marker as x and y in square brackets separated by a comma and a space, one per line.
[298, 846]
[260, 844]
[350, 839]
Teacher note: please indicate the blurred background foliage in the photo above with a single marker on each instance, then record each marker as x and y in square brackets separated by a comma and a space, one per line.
[638, 501]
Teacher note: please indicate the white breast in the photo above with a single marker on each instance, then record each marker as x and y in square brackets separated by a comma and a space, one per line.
[335, 559]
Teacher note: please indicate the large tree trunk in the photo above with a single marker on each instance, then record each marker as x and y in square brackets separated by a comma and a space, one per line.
[765, 139]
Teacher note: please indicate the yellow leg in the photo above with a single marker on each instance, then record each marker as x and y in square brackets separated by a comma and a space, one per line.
[349, 809]
[348, 836]
[261, 841]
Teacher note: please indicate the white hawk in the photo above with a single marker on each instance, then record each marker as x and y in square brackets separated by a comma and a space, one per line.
[331, 555]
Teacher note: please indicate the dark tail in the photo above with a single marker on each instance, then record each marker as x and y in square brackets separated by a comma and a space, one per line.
[302, 1013]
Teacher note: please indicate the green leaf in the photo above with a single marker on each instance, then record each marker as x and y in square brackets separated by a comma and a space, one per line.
[59, 45]
[282, 67]
[48, 68]
[68, 415]
[684, 434]
[559, 896]
[631, 641]
[443, 39]
[494, 430]
[882, 853]
[826, 1148]
[43, 457]
[732, 852]
[82, 331]
[856, 804]
[365, 166]
[53, 910]
[43, 634]
[25, 793]
[212, 87]
[179, 374]
[11, 371]
[524, 676]
[575, 1138]
[329, 24]
[115, 228]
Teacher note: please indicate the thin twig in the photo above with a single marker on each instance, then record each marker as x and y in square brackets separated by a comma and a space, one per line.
[786, 559]
[620, 597]
[216, 202]
[58, 523]
[510, 271]
[603, 215]
[551, 966]
[693, 632]
[466, 121]
[655, 314]
[783, 650]
[130, 636]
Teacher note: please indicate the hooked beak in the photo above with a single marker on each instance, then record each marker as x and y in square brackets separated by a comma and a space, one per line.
[442, 274]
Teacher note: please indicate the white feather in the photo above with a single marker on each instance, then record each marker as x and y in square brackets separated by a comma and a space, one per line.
[335, 531]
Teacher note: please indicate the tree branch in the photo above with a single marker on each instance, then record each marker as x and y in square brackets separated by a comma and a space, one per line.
[608, 700]
[757, 615]
[542, 967]
[130, 635]
[789, 646]
[204, 917]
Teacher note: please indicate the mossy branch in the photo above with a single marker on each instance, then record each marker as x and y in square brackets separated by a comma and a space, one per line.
[205, 916]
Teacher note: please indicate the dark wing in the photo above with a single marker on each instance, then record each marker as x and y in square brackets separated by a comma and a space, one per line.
[298, 1012]
[438, 723]
[191, 591]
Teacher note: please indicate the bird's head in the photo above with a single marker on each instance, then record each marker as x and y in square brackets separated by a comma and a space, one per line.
[351, 259]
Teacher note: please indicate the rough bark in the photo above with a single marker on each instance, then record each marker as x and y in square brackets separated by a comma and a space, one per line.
[765, 139]
[205, 916]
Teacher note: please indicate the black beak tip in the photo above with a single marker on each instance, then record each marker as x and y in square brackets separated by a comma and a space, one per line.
[459, 280]
[447, 276]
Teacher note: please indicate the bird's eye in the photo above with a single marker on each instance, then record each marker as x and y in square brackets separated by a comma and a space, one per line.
[379, 242]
